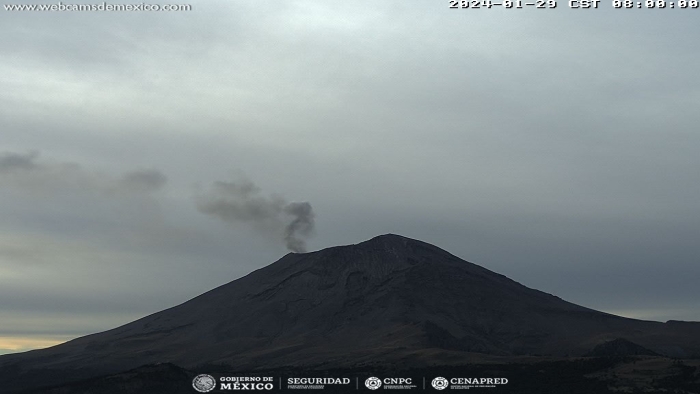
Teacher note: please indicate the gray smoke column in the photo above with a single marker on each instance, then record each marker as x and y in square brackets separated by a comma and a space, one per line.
[243, 202]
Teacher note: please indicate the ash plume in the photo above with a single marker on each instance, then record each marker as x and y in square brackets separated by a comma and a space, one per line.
[273, 216]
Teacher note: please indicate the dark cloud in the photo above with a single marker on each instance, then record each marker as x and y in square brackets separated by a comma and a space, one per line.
[10, 161]
[243, 202]
[144, 180]
[24, 171]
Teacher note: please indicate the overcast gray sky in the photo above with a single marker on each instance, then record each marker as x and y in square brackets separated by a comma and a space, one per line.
[555, 146]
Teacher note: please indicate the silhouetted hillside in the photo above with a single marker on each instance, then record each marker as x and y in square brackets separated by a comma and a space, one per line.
[389, 300]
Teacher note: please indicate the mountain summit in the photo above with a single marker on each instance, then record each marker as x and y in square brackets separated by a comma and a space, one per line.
[390, 299]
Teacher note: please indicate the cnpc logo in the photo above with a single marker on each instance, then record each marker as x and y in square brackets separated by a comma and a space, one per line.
[374, 382]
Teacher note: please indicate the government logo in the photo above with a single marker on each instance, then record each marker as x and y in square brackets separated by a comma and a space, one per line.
[204, 383]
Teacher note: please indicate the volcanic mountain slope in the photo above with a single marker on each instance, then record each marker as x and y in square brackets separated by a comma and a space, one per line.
[388, 299]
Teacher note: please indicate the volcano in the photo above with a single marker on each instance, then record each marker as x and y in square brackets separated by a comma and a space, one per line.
[387, 300]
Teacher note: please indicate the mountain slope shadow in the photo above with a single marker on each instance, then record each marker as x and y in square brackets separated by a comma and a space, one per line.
[387, 300]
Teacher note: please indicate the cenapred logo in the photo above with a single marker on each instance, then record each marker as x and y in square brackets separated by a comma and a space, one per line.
[440, 383]
[204, 383]
[373, 383]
